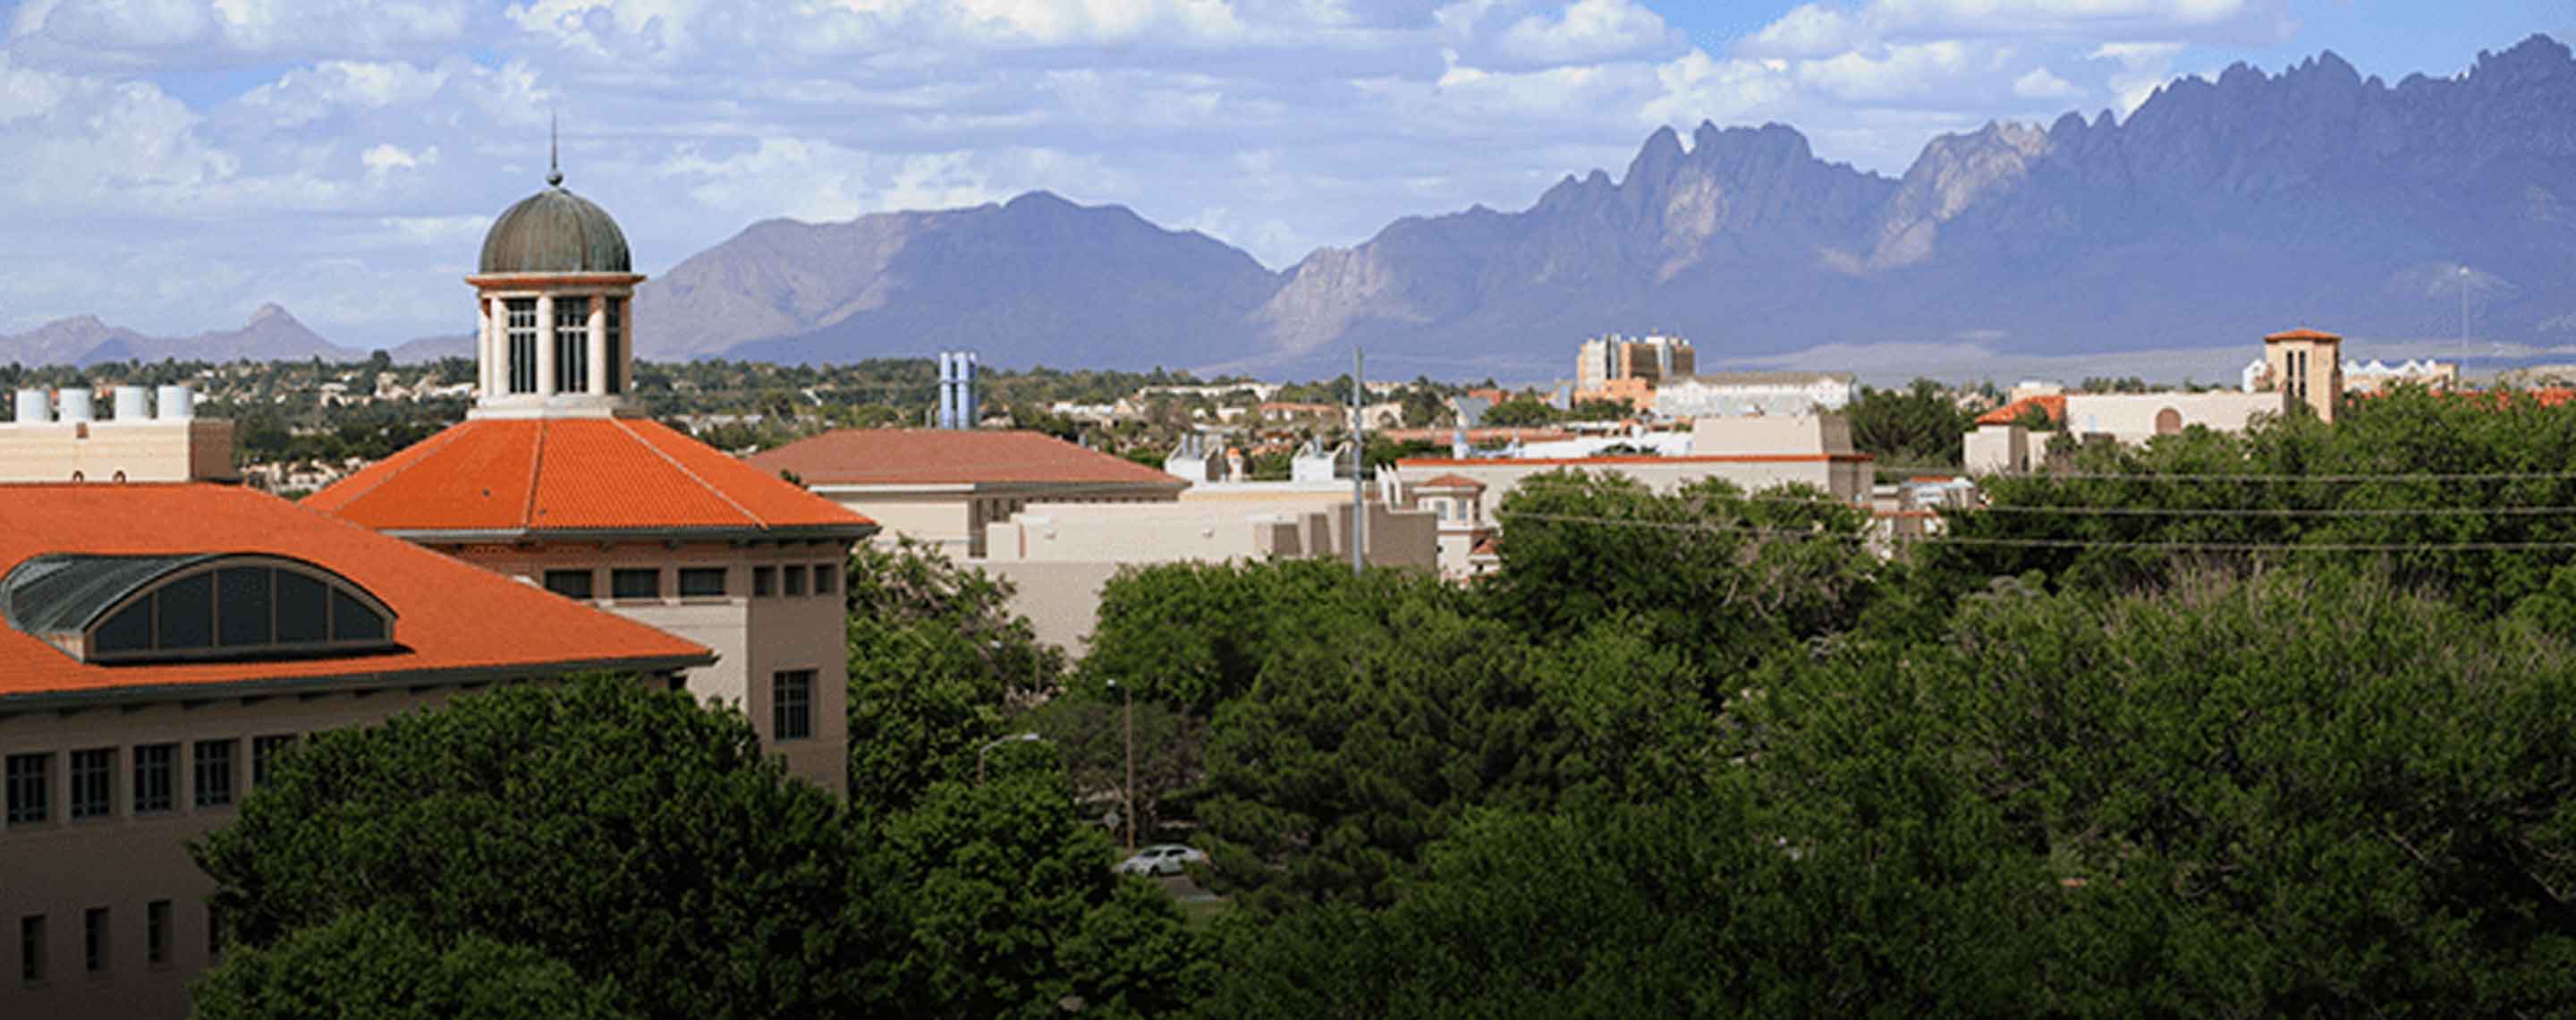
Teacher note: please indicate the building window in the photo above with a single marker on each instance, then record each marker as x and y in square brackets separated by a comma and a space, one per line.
[94, 944]
[791, 704]
[234, 609]
[764, 582]
[31, 948]
[156, 931]
[616, 367]
[635, 584]
[826, 577]
[214, 773]
[572, 344]
[263, 757]
[702, 581]
[795, 580]
[571, 584]
[31, 788]
[93, 783]
[522, 332]
[153, 779]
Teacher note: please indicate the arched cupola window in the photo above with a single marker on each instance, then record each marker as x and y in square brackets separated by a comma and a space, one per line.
[111, 609]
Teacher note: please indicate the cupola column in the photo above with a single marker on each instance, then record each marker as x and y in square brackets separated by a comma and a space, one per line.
[597, 384]
[545, 345]
[483, 345]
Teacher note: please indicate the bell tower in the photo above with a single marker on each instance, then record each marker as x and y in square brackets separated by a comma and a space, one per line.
[552, 296]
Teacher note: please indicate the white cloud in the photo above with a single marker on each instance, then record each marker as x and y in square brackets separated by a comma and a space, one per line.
[2040, 84]
[1588, 31]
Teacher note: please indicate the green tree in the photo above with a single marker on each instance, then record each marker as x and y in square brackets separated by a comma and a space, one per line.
[372, 964]
[1921, 424]
[1520, 412]
[639, 838]
[936, 659]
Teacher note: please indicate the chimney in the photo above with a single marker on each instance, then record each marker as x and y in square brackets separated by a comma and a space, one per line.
[34, 407]
[133, 403]
[134, 446]
[77, 405]
[178, 403]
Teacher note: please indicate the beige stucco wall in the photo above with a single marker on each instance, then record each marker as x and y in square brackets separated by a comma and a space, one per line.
[753, 637]
[1061, 600]
[1997, 449]
[145, 451]
[1770, 436]
[2131, 417]
[952, 517]
[1845, 479]
[62, 868]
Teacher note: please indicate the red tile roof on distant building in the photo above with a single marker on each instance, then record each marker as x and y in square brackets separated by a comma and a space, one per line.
[2054, 404]
[862, 457]
[1450, 481]
[2301, 333]
[575, 475]
[451, 617]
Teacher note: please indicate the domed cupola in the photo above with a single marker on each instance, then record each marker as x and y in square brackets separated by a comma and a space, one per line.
[555, 283]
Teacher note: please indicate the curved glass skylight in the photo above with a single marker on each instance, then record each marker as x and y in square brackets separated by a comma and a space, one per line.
[109, 609]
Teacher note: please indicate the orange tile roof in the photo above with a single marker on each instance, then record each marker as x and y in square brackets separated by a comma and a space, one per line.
[2054, 404]
[2301, 333]
[942, 457]
[577, 475]
[1450, 481]
[450, 616]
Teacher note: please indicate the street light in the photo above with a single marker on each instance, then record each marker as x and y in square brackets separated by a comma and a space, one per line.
[1016, 738]
[1128, 795]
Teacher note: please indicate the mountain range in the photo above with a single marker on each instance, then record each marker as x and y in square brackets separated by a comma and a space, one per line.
[2213, 213]
[272, 334]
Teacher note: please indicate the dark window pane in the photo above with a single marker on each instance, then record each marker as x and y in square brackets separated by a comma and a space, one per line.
[764, 581]
[302, 603]
[243, 594]
[186, 618]
[351, 620]
[795, 579]
[31, 788]
[791, 704]
[31, 948]
[156, 931]
[825, 576]
[572, 344]
[93, 783]
[616, 345]
[130, 630]
[635, 584]
[154, 768]
[94, 939]
[214, 773]
[571, 584]
[702, 581]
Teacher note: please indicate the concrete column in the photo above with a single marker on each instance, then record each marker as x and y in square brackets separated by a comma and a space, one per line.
[597, 384]
[483, 345]
[545, 345]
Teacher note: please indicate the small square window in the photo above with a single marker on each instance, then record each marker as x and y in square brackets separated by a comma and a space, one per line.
[764, 582]
[702, 581]
[825, 578]
[791, 704]
[635, 584]
[795, 579]
[571, 584]
[214, 773]
[156, 931]
[94, 940]
[31, 788]
[31, 948]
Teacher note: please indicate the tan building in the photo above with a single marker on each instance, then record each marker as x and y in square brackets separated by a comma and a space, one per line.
[2307, 365]
[2300, 366]
[551, 481]
[61, 438]
[943, 487]
[1649, 360]
[164, 641]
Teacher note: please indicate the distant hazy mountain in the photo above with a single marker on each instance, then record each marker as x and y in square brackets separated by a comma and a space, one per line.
[432, 348]
[2216, 212]
[272, 334]
[1037, 280]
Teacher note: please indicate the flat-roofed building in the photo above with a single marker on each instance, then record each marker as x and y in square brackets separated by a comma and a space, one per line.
[554, 480]
[1739, 394]
[162, 643]
[944, 487]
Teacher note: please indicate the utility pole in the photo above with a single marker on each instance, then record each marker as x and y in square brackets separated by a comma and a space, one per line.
[1359, 465]
[2464, 322]
[1130, 695]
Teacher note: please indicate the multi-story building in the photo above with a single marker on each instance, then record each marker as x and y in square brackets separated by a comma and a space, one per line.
[1606, 360]
[2300, 367]
[163, 642]
[943, 487]
[552, 480]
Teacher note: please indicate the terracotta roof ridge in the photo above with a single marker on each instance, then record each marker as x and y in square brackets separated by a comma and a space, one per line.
[446, 436]
[684, 469]
[536, 475]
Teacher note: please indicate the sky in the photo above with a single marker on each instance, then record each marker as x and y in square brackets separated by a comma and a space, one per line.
[171, 165]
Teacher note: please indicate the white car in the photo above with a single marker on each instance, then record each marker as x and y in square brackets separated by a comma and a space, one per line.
[1162, 859]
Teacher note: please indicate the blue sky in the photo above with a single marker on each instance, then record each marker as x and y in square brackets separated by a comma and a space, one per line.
[173, 164]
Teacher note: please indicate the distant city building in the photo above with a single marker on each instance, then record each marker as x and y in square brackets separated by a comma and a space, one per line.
[552, 479]
[2300, 366]
[1738, 394]
[957, 407]
[1628, 369]
[2374, 376]
[944, 487]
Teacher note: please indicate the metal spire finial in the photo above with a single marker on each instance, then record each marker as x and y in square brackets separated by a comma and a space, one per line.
[554, 165]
